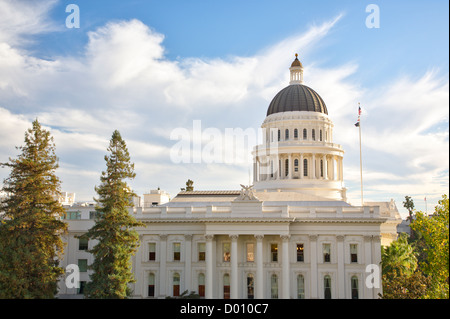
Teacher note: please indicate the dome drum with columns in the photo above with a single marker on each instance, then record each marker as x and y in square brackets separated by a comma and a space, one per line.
[298, 153]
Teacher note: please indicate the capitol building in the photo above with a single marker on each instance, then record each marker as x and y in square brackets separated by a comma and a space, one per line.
[291, 235]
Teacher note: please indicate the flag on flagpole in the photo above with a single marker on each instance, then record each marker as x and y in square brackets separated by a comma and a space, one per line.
[359, 115]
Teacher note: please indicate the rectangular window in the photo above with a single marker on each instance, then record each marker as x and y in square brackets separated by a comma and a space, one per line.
[226, 252]
[151, 285]
[80, 290]
[201, 251]
[73, 215]
[274, 252]
[226, 286]
[83, 265]
[95, 215]
[83, 243]
[353, 253]
[300, 253]
[152, 251]
[326, 253]
[250, 252]
[201, 285]
[176, 251]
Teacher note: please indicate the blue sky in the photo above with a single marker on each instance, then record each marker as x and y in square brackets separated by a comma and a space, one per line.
[147, 67]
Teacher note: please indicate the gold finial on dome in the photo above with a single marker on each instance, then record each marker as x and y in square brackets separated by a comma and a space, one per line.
[296, 62]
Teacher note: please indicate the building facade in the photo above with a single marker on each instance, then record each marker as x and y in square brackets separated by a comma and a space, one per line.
[290, 235]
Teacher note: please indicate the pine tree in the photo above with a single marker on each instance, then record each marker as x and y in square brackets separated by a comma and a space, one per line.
[114, 227]
[31, 225]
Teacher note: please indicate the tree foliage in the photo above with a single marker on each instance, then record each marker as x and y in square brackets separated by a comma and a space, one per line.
[435, 232]
[114, 228]
[31, 226]
[189, 185]
[401, 278]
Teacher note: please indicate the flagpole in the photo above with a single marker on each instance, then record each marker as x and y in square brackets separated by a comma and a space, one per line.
[360, 157]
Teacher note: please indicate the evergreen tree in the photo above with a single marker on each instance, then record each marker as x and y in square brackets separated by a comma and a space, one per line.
[31, 226]
[114, 227]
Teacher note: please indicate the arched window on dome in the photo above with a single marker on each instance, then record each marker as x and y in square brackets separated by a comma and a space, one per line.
[320, 135]
[321, 168]
[286, 167]
[279, 135]
[296, 165]
[271, 169]
[295, 133]
[305, 167]
[286, 134]
[313, 134]
[305, 134]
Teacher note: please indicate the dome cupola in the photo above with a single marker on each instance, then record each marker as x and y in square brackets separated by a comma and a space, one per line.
[297, 96]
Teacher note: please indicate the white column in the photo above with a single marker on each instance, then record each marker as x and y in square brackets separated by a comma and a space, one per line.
[313, 166]
[276, 167]
[325, 167]
[376, 250]
[188, 262]
[234, 267]
[367, 261]
[162, 265]
[209, 266]
[341, 274]
[285, 292]
[259, 282]
[301, 166]
[313, 262]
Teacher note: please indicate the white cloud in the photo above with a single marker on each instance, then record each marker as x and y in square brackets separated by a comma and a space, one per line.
[22, 19]
[125, 81]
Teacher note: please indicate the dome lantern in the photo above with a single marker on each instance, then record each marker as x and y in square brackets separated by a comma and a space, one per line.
[296, 70]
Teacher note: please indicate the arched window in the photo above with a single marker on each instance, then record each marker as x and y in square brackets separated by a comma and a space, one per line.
[274, 287]
[320, 135]
[305, 167]
[305, 134]
[176, 284]
[286, 134]
[313, 134]
[321, 168]
[300, 287]
[296, 165]
[226, 286]
[327, 287]
[151, 285]
[271, 168]
[279, 135]
[295, 133]
[250, 287]
[201, 285]
[355, 294]
[286, 167]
